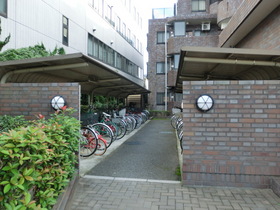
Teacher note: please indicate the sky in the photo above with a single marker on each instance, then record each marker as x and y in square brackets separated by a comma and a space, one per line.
[147, 5]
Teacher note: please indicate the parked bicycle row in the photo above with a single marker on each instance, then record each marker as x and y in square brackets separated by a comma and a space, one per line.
[177, 123]
[98, 136]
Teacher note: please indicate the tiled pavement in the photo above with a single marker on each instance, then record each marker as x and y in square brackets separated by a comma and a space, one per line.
[139, 194]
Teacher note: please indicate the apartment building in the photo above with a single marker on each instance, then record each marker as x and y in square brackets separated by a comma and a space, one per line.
[109, 32]
[234, 70]
[188, 23]
[204, 23]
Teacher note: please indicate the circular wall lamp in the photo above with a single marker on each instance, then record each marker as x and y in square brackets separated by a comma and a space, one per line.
[204, 103]
[58, 102]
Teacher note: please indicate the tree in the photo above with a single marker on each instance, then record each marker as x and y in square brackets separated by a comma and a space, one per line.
[7, 39]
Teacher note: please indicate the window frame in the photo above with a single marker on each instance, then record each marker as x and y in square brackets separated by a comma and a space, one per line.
[161, 96]
[176, 61]
[176, 34]
[99, 50]
[198, 5]
[163, 67]
[65, 28]
[161, 40]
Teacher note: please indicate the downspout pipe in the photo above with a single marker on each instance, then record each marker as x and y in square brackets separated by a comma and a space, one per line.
[165, 66]
[40, 69]
[231, 61]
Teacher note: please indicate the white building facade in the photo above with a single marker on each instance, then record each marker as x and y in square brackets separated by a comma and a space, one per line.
[109, 31]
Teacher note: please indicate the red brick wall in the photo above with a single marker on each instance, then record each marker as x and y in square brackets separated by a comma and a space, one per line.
[237, 143]
[33, 99]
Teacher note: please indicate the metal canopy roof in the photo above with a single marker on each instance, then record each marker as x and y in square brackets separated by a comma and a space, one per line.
[201, 63]
[93, 76]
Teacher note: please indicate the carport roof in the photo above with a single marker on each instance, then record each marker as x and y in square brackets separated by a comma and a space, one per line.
[202, 63]
[93, 76]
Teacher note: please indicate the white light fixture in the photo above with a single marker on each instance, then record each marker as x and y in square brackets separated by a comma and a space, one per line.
[58, 102]
[204, 103]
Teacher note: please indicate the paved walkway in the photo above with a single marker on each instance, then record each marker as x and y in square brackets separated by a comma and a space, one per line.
[112, 191]
[151, 153]
[128, 194]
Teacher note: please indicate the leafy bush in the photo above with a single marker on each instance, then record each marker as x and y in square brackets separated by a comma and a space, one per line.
[37, 161]
[11, 122]
[36, 51]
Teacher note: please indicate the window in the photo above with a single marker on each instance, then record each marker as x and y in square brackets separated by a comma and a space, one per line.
[161, 37]
[100, 51]
[198, 5]
[110, 58]
[159, 13]
[176, 61]
[213, 1]
[3, 8]
[65, 30]
[160, 98]
[97, 49]
[161, 67]
[90, 45]
[118, 61]
[197, 33]
[179, 28]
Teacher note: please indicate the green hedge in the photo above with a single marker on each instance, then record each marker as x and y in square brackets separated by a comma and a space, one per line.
[37, 161]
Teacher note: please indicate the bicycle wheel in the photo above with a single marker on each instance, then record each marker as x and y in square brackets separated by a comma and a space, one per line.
[103, 131]
[113, 127]
[138, 120]
[101, 147]
[174, 119]
[129, 123]
[88, 142]
[121, 127]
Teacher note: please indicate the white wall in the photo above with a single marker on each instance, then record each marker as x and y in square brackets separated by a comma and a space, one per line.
[40, 21]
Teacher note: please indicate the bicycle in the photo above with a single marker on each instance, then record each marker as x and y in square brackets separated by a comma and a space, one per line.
[177, 123]
[104, 132]
[88, 142]
[118, 126]
[91, 142]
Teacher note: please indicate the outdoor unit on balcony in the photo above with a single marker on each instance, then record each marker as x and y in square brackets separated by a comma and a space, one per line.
[205, 26]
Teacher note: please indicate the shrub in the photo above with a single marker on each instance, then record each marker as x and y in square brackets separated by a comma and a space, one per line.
[11, 122]
[37, 162]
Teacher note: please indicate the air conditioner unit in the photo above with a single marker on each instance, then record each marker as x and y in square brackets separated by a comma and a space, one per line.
[205, 26]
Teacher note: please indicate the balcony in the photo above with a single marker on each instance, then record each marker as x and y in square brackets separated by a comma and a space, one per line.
[176, 43]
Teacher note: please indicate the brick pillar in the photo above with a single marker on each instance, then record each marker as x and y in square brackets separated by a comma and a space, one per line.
[237, 143]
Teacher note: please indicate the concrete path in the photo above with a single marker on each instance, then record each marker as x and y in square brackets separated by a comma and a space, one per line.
[129, 177]
[151, 153]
